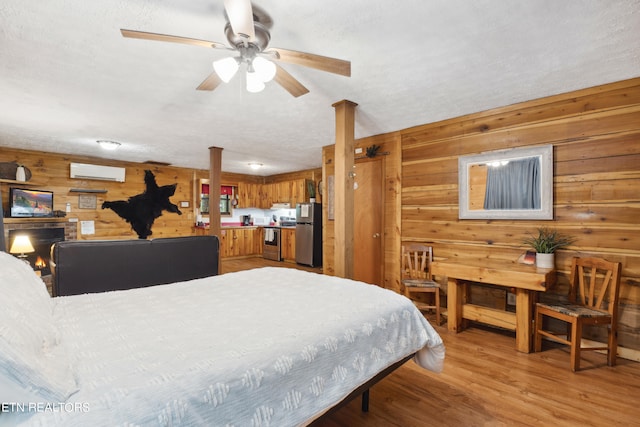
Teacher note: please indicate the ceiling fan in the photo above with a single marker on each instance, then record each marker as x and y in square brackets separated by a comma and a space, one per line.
[247, 31]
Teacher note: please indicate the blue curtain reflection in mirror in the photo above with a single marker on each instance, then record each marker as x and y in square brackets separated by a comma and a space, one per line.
[513, 184]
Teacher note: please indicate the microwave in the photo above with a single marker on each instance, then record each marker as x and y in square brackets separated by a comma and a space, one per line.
[261, 220]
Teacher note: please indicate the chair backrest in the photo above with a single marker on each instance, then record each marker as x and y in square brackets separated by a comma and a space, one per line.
[416, 261]
[595, 282]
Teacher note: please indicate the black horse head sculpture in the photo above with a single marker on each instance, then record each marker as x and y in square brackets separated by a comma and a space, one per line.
[142, 210]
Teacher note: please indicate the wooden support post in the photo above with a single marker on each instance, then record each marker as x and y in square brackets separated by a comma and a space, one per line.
[215, 180]
[344, 154]
[3, 245]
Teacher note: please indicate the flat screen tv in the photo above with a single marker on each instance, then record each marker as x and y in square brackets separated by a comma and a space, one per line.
[25, 203]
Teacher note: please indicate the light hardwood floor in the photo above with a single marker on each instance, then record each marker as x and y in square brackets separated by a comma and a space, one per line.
[486, 382]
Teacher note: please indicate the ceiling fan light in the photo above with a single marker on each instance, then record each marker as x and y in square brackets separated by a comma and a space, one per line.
[265, 68]
[226, 68]
[254, 82]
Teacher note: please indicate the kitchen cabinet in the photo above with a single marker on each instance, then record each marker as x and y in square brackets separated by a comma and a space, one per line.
[288, 246]
[240, 242]
[201, 231]
[263, 196]
[249, 195]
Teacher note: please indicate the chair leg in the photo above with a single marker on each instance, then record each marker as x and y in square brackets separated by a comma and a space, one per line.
[437, 298]
[576, 338]
[612, 351]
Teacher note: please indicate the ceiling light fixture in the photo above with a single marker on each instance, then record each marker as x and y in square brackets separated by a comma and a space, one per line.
[108, 145]
[264, 68]
[254, 82]
[255, 166]
[226, 68]
[259, 69]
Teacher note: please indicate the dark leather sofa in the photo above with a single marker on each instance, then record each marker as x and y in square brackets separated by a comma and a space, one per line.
[91, 266]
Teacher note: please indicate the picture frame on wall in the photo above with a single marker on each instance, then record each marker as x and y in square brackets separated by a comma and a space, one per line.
[87, 201]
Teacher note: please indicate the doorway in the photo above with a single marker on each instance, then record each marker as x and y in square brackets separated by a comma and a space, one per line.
[368, 234]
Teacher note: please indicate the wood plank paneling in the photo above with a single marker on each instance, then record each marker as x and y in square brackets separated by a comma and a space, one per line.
[51, 172]
[550, 108]
[596, 137]
[390, 145]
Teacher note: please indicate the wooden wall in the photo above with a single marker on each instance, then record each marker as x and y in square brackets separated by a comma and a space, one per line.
[596, 138]
[51, 172]
[312, 174]
[390, 146]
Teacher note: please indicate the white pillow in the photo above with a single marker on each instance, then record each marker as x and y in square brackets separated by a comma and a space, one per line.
[33, 364]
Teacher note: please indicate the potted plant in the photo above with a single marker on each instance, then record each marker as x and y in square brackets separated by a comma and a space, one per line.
[545, 244]
[311, 187]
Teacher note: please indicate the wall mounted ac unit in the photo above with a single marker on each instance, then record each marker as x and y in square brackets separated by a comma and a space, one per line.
[102, 173]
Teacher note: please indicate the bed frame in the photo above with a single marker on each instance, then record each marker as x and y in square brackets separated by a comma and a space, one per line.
[363, 390]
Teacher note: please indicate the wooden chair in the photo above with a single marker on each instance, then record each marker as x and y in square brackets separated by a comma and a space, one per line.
[593, 300]
[416, 276]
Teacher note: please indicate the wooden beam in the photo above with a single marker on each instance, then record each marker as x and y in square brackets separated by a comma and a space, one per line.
[345, 135]
[215, 180]
[490, 316]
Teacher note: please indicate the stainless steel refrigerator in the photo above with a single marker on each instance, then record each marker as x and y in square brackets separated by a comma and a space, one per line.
[309, 234]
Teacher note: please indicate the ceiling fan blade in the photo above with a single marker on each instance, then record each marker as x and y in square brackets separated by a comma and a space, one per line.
[133, 34]
[240, 16]
[287, 81]
[324, 63]
[210, 83]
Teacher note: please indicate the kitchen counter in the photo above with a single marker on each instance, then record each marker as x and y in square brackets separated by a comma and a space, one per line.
[227, 227]
[232, 226]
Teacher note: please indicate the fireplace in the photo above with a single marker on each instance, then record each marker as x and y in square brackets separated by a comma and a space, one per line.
[41, 240]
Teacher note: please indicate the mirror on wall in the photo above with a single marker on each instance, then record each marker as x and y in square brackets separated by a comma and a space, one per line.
[507, 184]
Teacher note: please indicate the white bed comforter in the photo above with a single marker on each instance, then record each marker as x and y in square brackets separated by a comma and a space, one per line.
[264, 347]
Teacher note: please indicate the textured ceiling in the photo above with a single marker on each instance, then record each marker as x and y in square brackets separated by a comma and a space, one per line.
[68, 77]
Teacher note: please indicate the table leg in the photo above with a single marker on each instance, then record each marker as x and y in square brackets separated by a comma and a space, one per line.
[524, 319]
[455, 295]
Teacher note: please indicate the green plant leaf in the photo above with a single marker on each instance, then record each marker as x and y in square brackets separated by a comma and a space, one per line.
[548, 241]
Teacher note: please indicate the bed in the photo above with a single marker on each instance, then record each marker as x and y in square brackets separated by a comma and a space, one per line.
[265, 347]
